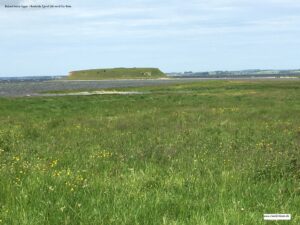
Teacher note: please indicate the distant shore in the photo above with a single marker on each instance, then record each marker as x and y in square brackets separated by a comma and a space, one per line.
[35, 87]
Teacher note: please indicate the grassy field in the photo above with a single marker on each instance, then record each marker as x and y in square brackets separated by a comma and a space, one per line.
[117, 73]
[217, 152]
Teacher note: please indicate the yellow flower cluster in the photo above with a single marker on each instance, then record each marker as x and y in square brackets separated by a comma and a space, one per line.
[264, 145]
[222, 110]
[71, 179]
[104, 154]
[16, 158]
[53, 163]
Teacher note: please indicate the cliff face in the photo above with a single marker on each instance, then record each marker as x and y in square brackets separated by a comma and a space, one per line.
[117, 73]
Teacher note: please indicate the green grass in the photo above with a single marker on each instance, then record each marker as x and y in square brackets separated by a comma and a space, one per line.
[117, 73]
[204, 153]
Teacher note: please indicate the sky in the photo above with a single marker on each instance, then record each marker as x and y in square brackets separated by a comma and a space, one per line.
[173, 35]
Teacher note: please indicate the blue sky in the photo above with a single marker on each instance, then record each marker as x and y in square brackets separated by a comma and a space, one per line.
[173, 35]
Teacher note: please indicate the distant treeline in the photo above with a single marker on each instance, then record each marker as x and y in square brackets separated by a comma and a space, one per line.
[29, 79]
[242, 73]
[206, 75]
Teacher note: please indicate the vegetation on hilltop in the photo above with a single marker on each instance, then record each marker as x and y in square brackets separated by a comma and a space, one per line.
[117, 73]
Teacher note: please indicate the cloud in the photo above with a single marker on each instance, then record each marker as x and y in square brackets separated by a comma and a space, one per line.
[146, 19]
[31, 2]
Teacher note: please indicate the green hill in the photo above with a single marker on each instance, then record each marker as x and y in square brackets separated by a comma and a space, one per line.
[116, 73]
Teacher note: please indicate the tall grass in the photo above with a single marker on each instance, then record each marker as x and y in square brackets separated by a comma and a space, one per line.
[204, 153]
